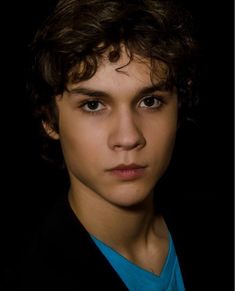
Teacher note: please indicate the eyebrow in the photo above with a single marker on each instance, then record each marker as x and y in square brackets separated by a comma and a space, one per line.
[161, 86]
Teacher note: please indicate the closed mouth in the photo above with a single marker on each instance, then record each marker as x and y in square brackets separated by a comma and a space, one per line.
[128, 172]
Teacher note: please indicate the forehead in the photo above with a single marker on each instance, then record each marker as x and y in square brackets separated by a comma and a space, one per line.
[133, 70]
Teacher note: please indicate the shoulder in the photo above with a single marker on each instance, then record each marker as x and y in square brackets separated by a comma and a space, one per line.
[62, 255]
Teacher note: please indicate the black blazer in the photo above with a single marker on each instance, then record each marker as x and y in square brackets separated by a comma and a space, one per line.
[63, 256]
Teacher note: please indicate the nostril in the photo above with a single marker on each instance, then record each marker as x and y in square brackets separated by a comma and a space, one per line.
[127, 144]
[125, 132]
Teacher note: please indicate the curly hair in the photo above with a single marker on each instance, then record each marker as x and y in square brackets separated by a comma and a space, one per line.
[74, 38]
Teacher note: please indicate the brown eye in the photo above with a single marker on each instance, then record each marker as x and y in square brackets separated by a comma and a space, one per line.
[92, 106]
[151, 102]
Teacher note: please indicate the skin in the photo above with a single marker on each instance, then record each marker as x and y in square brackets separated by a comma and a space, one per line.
[123, 125]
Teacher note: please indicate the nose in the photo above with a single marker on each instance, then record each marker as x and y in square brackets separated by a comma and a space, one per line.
[125, 133]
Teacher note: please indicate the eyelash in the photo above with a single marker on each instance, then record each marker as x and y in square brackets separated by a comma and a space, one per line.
[91, 111]
[156, 99]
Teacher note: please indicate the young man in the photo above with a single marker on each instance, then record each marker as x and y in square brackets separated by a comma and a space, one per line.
[111, 82]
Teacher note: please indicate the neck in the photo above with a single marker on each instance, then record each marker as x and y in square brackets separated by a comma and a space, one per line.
[123, 228]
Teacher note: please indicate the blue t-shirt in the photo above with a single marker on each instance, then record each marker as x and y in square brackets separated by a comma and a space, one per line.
[139, 279]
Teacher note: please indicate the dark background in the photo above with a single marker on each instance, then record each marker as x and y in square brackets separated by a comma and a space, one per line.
[200, 192]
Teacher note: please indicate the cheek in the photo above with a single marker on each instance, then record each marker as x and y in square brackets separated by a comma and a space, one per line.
[161, 137]
[80, 140]
[164, 144]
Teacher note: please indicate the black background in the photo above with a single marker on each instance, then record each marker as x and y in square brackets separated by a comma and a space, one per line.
[201, 175]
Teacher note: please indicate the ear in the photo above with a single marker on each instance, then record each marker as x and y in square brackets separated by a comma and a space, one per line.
[50, 131]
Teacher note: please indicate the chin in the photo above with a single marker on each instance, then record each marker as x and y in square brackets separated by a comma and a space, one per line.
[130, 199]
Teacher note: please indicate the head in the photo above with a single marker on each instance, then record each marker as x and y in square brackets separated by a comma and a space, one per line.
[130, 44]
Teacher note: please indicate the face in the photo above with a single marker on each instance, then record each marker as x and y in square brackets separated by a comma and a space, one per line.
[117, 132]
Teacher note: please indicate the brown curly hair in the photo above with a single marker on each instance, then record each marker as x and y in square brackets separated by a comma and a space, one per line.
[76, 35]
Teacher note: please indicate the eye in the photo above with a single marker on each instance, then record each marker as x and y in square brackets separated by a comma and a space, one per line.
[151, 102]
[92, 106]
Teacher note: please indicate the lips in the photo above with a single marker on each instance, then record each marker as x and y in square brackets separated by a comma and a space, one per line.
[128, 172]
